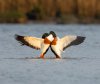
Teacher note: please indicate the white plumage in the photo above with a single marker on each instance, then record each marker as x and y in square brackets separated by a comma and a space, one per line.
[36, 43]
[56, 44]
[59, 45]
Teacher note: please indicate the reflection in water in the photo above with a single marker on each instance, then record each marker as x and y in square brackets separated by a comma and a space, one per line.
[50, 58]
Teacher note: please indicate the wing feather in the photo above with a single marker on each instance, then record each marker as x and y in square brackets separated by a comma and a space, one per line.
[32, 42]
[68, 41]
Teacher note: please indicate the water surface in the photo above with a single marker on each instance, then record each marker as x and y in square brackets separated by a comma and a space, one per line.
[79, 64]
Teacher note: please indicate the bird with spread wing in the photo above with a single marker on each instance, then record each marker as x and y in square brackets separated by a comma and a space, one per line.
[58, 45]
[51, 40]
[42, 44]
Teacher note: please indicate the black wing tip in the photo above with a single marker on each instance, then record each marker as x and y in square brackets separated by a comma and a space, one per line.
[80, 39]
[16, 36]
[20, 39]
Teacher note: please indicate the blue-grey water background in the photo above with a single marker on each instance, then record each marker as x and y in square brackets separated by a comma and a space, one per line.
[79, 64]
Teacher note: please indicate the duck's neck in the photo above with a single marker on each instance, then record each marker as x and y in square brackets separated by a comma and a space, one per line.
[47, 41]
[54, 42]
[50, 37]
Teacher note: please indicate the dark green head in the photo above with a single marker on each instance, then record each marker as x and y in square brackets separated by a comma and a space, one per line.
[53, 33]
[45, 35]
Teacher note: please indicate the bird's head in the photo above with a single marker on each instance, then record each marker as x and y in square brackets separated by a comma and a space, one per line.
[48, 38]
[45, 35]
[54, 42]
[53, 33]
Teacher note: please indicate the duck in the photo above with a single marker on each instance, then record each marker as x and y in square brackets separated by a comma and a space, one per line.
[58, 45]
[42, 44]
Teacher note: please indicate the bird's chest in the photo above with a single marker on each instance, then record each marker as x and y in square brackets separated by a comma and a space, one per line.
[46, 41]
[54, 42]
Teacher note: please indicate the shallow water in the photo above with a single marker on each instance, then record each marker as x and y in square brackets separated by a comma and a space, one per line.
[79, 64]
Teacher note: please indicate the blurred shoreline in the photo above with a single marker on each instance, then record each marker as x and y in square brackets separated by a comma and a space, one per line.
[50, 11]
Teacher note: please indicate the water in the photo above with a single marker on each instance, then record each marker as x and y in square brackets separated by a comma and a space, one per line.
[79, 64]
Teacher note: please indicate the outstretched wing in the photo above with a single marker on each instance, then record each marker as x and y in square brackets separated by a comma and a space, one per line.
[68, 41]
[32, 42]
